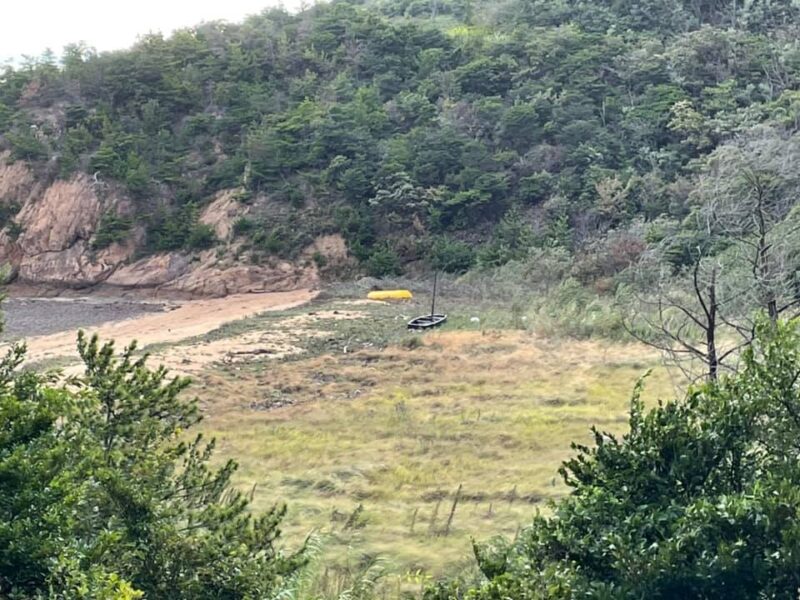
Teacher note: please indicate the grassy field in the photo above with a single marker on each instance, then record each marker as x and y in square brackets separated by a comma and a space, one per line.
[404, 446]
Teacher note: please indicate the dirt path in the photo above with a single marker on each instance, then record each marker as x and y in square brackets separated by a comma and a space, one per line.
[188, 320]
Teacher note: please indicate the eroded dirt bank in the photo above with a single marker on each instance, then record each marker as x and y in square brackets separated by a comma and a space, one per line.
[53, 240]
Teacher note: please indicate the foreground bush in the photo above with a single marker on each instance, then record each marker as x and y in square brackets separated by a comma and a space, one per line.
[102, 497]
[700, 500]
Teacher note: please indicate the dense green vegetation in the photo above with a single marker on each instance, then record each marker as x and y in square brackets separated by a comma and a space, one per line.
[414, 127]
[104, 497]
[641, 149]
[699, 500]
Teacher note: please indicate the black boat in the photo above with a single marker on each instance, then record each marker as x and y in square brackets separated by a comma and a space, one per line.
[432, 320]
[427, 321]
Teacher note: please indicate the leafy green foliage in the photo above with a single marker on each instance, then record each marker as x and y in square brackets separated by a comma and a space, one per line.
[400, 123]
[282, 238]
[105, 496]
[179, 230]
[512, 240]
[201, 237]
[316, 580]
[27, 145]
[8, 210]
[383, 261]
[699, 500]
[5, 117]
[452, 256]
[244, 226]
[112, 229]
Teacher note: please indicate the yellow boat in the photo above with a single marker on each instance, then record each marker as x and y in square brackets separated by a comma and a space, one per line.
[390, 295]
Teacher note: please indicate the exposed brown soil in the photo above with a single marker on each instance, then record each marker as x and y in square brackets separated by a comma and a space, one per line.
[186, 320]
[281, 340]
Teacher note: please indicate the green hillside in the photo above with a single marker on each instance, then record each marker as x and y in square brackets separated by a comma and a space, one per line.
[435, 133]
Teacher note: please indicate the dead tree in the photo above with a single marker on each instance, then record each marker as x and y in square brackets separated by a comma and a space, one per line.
[684, 317]
[747, 199]
[747, 264]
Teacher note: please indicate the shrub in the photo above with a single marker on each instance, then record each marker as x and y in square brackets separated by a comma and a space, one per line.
[284, 239]
[452, 256]
[27, 146]
[107, 161]
[201, 237]
[274, 242]
[14, 230]
[226, 174]
[383, 261]
[244, 226]
[357, 229]
[698, 501]
[179, 230]
[137, 175]
[112, 229]
[105, 496]
[5, 117]
[512, 240]
[168, 231]
[607, 256]
[320, 259]
[8, 210]
[536, 188]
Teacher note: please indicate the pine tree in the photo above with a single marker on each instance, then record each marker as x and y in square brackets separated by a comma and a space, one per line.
[104, 495]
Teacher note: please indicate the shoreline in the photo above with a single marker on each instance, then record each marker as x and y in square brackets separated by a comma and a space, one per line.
[148, 324]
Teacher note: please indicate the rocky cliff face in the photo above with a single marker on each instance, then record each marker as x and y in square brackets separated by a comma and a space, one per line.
[48, 243]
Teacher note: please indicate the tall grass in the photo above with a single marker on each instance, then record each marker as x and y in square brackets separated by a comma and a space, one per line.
[532, 295]
[318, 579]
[393, 430]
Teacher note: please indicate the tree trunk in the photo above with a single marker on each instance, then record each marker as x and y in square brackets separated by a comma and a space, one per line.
[712, 359]
[762, 267]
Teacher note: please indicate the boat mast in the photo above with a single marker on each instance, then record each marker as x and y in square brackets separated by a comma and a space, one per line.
[433, 301]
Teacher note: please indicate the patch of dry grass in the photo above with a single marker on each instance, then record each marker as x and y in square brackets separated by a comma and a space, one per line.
[397, 430]
[366, 431]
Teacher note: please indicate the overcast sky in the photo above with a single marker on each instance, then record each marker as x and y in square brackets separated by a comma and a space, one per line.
[31, 26]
